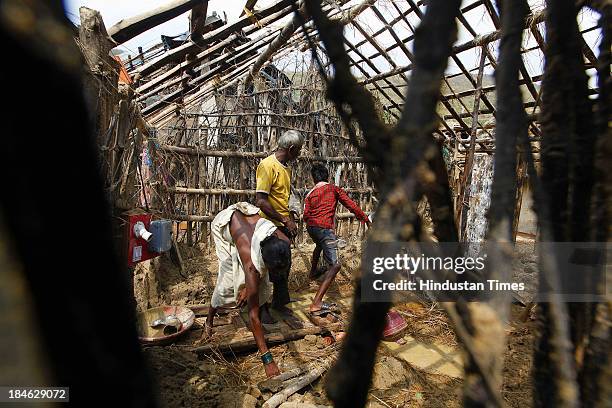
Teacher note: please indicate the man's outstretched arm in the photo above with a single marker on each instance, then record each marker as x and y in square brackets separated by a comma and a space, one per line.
[252, 283]
[351, 205]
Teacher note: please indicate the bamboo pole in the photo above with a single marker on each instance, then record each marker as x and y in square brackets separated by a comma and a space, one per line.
[209, 218]
[233, 191]
[382, 52]
[289, 29]
[215, 35]
[194, 151]
[209, 51]
[245, 53]
[282, 38]
[467, 170]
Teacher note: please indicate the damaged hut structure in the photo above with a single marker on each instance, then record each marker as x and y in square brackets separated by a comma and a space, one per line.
[473, 122]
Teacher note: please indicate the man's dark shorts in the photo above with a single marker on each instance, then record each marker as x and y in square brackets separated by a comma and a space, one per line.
[280, 295]
[284, 230]
[325, 239]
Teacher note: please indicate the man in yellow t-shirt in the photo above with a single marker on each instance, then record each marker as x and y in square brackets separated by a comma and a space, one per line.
[272, 197]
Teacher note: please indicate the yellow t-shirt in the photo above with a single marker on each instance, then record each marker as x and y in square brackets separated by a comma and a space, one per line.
[274, 179]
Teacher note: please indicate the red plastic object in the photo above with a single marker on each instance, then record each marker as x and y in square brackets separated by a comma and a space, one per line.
[394, 326]
[138, 249]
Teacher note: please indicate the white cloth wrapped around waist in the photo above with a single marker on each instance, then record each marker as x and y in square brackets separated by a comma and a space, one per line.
[231, 277]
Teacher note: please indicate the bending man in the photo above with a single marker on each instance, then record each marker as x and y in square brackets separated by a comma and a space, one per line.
[251, 250]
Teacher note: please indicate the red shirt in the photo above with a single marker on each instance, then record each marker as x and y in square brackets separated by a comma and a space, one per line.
[320, 206]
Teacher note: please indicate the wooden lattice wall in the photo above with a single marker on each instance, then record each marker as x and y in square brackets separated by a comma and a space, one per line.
[207, 157]
[216, 105]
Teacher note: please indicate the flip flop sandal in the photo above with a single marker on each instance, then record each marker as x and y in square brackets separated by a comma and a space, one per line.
[325, 309]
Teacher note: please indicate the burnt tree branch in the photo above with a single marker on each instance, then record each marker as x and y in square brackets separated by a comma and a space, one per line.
[400, 155]
[566, 145]
[511, 124]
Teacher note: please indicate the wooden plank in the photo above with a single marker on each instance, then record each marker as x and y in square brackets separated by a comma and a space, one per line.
[248, 344]
[129, 28]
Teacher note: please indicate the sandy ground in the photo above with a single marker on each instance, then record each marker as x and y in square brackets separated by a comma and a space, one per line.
[184, 380]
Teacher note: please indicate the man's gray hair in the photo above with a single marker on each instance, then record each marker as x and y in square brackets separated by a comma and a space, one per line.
[290, 138]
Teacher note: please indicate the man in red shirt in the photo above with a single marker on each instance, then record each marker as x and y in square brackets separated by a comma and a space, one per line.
[319, 215]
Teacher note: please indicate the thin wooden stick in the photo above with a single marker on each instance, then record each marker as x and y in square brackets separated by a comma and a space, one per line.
[297, 385]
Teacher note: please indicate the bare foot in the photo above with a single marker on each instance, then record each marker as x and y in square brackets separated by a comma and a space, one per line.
[206, 335]
[315, 307]
[282, 309]
[265, 316]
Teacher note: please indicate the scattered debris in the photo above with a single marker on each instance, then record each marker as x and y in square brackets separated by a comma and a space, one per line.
[297, 384]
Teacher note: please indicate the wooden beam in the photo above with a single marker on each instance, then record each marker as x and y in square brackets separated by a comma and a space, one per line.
[160, 79]
[193, 151]
[129, 28]
[223, 61]
[391, 62]
[220, 33]
[464, 200]
[162, 116]
[104, 70]
[275, 45]
[197, 19]
[248, 6]
[291, 28]
[233, 191]
[354, 11]
[171, 78]
[209, 218]
[242, 345]
[197, 94]
[163, 81]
